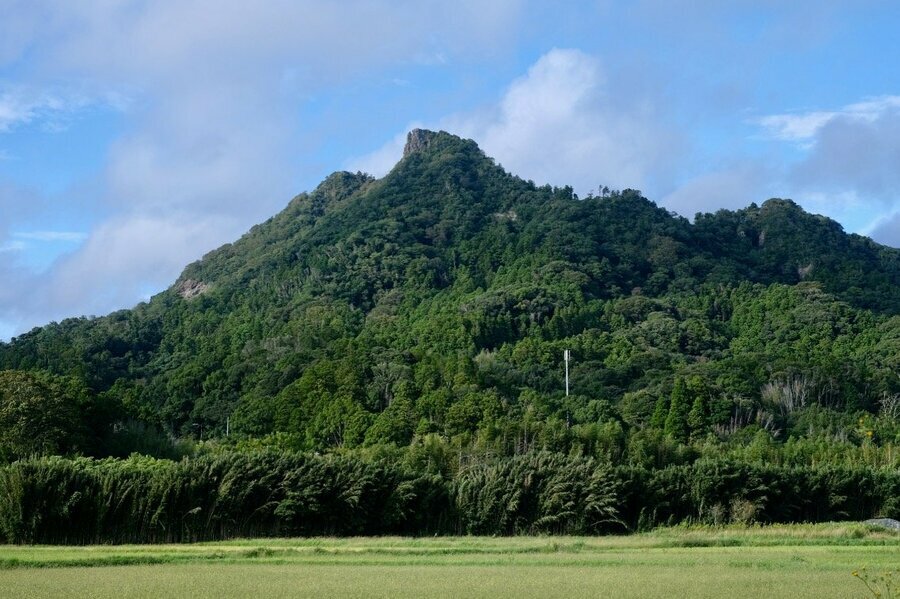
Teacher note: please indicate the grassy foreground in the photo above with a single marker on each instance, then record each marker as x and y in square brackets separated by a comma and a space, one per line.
[776, 561]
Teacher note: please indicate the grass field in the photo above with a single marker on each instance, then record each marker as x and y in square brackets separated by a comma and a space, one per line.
[777, 561]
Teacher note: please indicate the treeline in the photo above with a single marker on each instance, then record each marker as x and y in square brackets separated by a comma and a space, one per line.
[243, 494]
[439, 299]
[145, 500]
[791, 362]
[743, 367]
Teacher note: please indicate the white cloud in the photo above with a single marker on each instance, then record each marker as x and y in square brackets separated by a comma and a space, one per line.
[66, 236]
[855, 152]
[562, 123]
[805, 126]
[212, 94]
[795, 127]
[846, 164]
[15, 110]
[22, 105]
[114, 267]
[123, 256]
[198, 41]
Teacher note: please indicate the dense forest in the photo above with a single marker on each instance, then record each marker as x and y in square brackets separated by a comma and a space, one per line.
[416, 323]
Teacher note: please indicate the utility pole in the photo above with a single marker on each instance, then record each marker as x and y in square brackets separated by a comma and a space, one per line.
[566, 356]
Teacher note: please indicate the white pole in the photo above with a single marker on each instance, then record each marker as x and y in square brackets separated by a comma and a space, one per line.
[566, 358]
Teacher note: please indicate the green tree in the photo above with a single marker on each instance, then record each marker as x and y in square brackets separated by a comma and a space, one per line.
[397, 422]
[660, 411]
[697, 418]
[38, 415]
[677, 419]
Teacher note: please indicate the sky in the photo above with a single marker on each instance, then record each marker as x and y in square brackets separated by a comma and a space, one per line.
[137, 135]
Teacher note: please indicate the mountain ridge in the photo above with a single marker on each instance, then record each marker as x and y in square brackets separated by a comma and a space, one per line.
[772, 219]
[429, 301]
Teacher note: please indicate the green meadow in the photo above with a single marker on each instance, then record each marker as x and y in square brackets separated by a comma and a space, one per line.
[774, 561]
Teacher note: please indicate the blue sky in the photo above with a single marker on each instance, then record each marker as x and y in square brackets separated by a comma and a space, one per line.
[135, 136]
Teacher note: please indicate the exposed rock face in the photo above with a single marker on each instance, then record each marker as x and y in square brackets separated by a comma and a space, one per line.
[417, 140]
[509, 215]
[190, 288]
[802, 271]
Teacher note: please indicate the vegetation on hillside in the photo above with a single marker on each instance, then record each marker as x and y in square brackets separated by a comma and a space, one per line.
[432, 306]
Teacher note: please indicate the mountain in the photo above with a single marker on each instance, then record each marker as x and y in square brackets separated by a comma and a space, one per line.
[440, 297]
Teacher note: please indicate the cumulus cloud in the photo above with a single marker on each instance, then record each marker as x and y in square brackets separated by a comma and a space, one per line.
[852, 152]
[849, 156]
[570, 121]
[102, 273]
[845, 164]
[563, 123]
[843, 160]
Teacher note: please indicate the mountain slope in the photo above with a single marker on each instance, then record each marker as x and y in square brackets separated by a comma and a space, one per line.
[439, 298]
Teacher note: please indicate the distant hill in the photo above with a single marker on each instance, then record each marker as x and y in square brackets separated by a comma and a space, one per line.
[440, 297]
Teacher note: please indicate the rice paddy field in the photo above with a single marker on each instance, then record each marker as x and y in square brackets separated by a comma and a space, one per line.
[775, 561]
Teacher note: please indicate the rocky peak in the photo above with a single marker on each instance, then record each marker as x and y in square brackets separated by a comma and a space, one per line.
[418, 140]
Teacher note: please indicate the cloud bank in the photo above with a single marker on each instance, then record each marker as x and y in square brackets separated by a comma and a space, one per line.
[563, 123]
[842, 162]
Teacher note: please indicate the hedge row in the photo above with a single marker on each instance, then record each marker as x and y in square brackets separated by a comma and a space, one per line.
[144, 500]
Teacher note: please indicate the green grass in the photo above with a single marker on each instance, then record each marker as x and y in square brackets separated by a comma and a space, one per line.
[777, 561]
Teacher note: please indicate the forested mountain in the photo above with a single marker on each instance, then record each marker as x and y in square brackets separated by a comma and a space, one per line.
[439, 299]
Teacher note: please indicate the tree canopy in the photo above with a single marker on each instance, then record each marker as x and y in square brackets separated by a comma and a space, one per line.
[439, 300]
